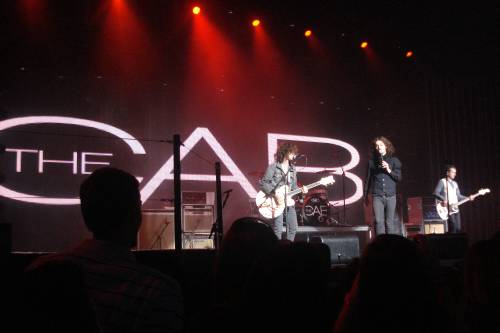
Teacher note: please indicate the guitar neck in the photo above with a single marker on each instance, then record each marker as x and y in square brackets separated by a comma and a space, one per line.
[468, 199]
[297, 191]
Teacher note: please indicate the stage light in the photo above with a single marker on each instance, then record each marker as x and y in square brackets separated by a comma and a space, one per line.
[364, 45]
[409, 54]
[256, 22]
[308, 33]
[196, 10]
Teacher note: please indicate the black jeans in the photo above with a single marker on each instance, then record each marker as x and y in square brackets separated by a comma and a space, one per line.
[384, 209]
[454, 223]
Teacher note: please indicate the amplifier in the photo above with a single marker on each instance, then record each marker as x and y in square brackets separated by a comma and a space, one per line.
[429, 211]
[197, 218]
[415, 211]
[197, 198]
[413, 229]
[435, 227]
[197, 241]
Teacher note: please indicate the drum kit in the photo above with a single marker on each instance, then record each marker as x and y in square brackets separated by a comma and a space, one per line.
[313, 208]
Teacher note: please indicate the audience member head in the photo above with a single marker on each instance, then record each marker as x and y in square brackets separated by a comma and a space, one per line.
[390, 258]
[395, 283]
[482, 273]
[496, 235]
[111, 205]
[288, 289]
[246, 242]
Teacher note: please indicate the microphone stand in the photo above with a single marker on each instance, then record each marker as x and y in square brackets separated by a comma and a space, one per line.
[284, 177]
[285, 212]
[162, 229]
[214, 228]
[158, 236]
[343, 193]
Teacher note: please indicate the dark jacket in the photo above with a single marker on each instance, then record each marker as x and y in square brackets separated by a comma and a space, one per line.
[378, 181]
[275, 177]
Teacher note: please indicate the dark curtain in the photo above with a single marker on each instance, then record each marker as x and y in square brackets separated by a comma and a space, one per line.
[462, 129]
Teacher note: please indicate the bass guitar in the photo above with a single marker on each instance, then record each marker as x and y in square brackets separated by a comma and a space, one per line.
[442, 210]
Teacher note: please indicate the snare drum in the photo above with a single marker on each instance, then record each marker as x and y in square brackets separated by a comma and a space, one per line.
[316, 210]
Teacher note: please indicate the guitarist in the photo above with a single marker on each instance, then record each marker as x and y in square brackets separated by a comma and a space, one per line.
[282, 172]
[449, 196]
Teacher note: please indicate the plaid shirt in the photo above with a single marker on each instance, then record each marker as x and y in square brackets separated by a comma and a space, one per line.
[127, 296]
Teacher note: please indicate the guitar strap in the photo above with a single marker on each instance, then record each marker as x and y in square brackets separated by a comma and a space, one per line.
[451, 209]
[445, 182]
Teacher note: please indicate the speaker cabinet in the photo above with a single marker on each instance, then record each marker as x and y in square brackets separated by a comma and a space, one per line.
[435, 227]
[413, 229]
[343, 248]
[157, 230]
[197, 198]
[415, 211]
[197, 241]
[197, 218]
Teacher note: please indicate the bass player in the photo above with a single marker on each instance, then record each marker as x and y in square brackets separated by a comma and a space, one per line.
[449, 196]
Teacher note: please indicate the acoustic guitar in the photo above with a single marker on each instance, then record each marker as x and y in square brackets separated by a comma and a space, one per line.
[271, 206]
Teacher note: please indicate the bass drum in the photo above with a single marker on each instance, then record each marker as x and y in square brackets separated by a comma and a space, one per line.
[316, 210]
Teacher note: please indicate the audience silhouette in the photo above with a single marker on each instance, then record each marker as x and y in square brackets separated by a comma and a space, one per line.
[260, 283]
[125, 295]
[394, 291]
[482, 287]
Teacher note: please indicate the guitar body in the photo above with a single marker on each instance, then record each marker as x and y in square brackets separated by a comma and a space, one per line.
[272, 206]
[442, 210]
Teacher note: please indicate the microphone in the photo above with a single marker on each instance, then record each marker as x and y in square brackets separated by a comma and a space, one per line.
[298, 157]
[380, 159]
[228, 191]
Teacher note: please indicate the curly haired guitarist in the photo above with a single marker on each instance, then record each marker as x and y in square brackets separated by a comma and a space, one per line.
[278, 176]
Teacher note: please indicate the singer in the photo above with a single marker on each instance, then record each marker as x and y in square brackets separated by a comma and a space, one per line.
[282, 172]
[384, 172]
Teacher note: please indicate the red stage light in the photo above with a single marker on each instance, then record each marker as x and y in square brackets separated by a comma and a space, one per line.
[308, 33]
[364, 45]
[256, 22]
[409, 54]
[196, 10]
